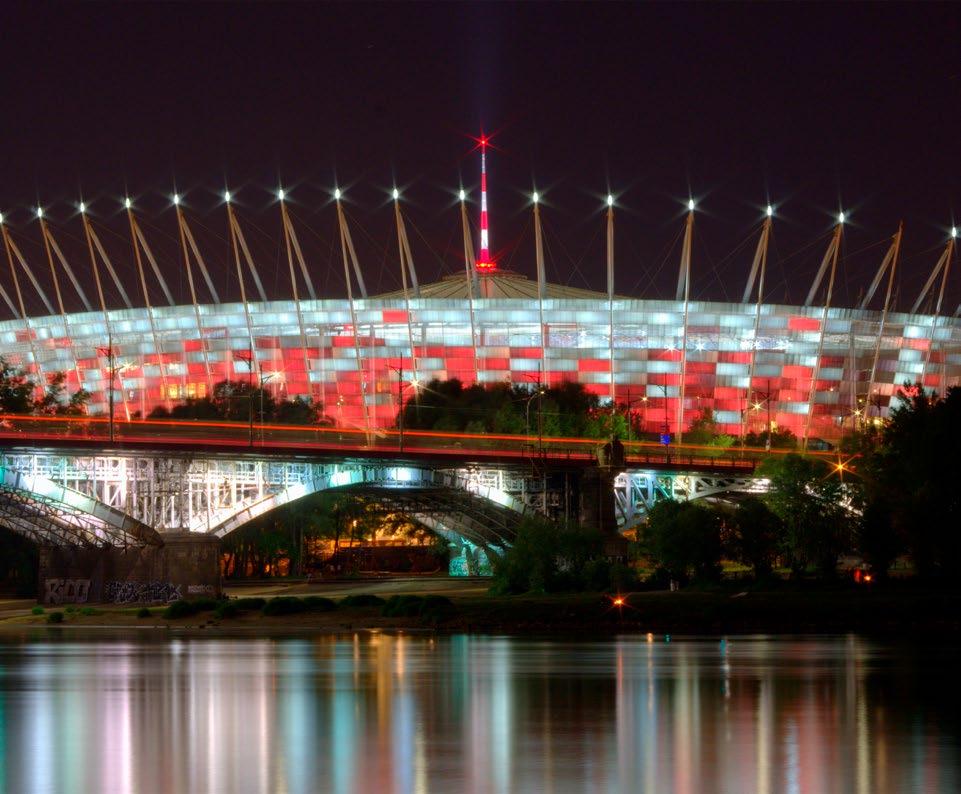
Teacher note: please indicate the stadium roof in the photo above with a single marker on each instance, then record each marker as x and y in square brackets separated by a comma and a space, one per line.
[499, 284]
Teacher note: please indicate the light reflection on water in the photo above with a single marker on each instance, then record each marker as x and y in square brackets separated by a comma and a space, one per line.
[384, 713]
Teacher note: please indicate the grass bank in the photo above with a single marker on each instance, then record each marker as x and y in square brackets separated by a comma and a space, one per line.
[897, 609]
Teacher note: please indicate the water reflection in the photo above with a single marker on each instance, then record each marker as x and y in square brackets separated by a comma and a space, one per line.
[386, 713]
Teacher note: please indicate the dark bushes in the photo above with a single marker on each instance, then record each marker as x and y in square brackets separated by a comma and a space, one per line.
[185, 609]
[320, 604]
[362, 600]
[283, 605]
[249, 604]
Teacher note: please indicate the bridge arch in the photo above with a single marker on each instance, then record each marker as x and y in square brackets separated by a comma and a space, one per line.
[637, 491]
[48, 512]
[447, 501]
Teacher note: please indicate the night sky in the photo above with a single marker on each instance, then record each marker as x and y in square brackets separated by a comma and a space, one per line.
[813, 107]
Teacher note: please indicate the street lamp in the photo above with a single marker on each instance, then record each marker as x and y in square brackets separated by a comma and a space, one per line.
[400, 401]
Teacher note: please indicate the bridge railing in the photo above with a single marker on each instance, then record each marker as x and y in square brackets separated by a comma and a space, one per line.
[34, 430]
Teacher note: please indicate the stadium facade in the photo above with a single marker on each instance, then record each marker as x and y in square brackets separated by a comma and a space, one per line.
[814, 368]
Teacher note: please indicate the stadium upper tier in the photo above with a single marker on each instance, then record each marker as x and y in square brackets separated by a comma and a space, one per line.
[810, 369]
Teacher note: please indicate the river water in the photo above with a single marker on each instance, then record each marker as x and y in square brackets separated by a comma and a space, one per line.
[151, 711]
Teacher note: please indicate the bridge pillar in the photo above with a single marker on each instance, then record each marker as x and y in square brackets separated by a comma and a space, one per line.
[596, 507]
[186, 566]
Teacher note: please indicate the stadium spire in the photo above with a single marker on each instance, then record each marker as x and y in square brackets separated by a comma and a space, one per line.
[484, 263]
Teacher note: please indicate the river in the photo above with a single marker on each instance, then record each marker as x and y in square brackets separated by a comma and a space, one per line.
[154, 711]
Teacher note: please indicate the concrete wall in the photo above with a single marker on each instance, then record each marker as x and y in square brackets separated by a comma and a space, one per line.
[186, 566]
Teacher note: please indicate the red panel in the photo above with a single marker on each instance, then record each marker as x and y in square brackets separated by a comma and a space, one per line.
[796, 371]
[803, 324]
[593, 365]
[394, 316]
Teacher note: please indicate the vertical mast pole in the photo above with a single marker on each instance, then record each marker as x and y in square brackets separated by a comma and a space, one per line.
[896, 247]
[150, 316]
[404, 261]
[948, 251]
[471, 275]
[833, 250]
[684, 291]
[231, 223]
[757, 269]
[610, 302]
[56, 288]
[345, 244]
[193, 296]
[285, 221]
[40, 385]
[541, 286]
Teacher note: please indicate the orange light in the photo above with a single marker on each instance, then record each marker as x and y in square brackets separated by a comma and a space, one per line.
[618, 602]
[868, 577]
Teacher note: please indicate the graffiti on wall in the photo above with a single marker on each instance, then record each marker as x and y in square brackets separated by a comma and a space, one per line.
[141, 592]
[200, 589]
[66, 591]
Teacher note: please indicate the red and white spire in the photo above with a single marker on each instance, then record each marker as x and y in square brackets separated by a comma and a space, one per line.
[484, 262]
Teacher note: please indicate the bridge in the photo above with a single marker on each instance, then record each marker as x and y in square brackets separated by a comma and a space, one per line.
[141, 479]
[79, 482]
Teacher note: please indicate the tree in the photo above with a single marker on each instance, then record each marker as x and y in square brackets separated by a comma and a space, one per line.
[755, 535]
[809, 498]
[911, 481]
[16, 392]
[684, 540]
[546, 558]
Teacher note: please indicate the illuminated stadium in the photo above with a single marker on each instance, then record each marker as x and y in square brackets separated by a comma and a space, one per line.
[808, 368]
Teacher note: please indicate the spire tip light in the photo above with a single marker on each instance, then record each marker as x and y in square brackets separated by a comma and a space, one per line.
[535, 197]
[281, 195]
[954, 232]
[610, 200]
[337, 194]
[462, 196]
[841, 217]
[127, 203]
[690, 205]
[227, 196]
[176, 199]
[39, 212]
[395, 193]
[82, 207]
[770, 211]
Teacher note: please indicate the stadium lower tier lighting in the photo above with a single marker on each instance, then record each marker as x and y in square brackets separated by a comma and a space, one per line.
[506, 347]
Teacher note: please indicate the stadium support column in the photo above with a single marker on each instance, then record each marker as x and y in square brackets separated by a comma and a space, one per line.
[943, 267]
[470, 271]
[406, 264]
[889, 264]
[830, 258]
[347, 246]
[610, 305]
[193, 299]
[48, 249]
[684, 292]
[758, 268]
[158, 348]
[541, 286]
[288, 245]
[9, 246]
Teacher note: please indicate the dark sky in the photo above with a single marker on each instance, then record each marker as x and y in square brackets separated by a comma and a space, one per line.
[815, 106]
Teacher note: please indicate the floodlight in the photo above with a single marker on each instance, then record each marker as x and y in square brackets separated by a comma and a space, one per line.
[462, 195]
[39, 212]
[610, 200]
[770, 210]
[536, 197]
[690, 205]
[82, 207]
[954, 231]
[395, 193]
[337, 194]
[227, 196]
[176, 199]
[840, 217]
[127, 203]
[281, 194]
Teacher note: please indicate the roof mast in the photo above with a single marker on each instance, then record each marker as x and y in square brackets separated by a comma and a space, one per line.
[484, 263]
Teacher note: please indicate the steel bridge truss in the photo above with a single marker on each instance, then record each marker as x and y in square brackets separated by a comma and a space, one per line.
[636, 492]
[214, 495]
[133, 499]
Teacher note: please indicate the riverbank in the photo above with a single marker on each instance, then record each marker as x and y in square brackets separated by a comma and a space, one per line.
[895, 610]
